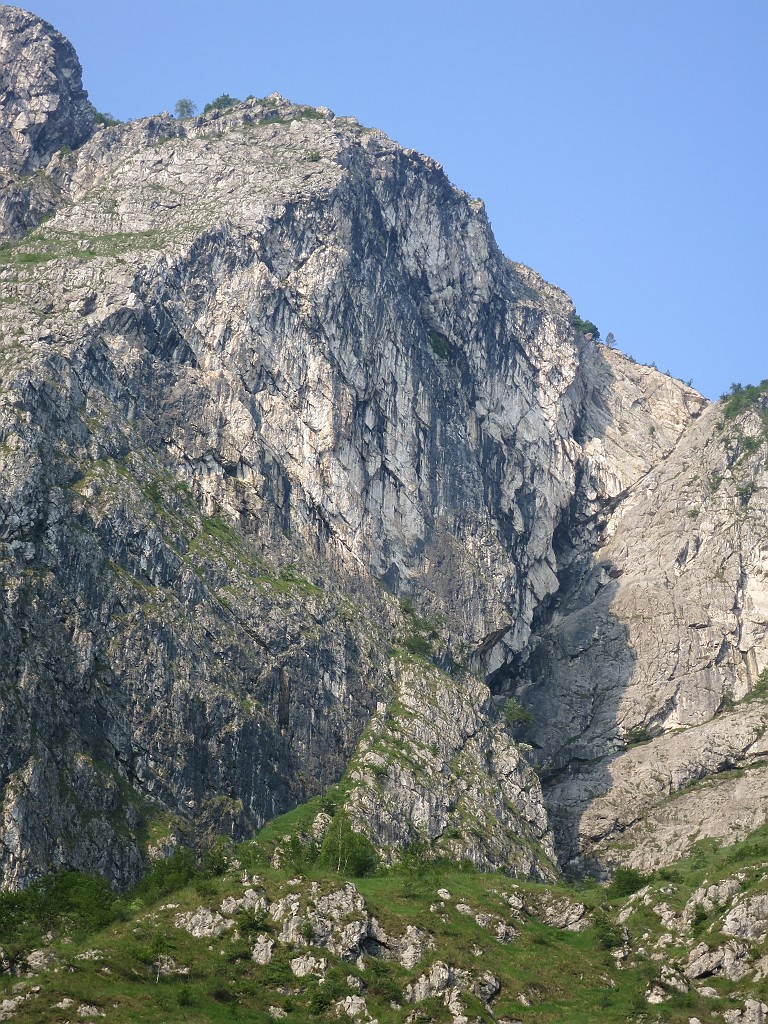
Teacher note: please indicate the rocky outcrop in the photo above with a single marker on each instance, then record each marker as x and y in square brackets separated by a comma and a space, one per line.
[437, 770]
[43, 105]
[267, 388]
[43, 110]
[644, 680]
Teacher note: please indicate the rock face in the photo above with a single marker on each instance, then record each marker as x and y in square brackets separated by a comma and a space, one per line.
[644, 680]
[292, 459]
[447, 730]
[44, 113]
[43, 105]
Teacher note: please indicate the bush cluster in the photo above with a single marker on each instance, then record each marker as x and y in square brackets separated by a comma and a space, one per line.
[626, 881]
[516, 714]
[220, 103]
[585, 326]
[77, 904]
[742, 397]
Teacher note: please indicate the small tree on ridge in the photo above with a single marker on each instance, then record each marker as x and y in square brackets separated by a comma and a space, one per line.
[184, 108]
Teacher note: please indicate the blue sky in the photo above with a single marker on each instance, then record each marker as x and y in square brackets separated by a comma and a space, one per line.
[621, 146]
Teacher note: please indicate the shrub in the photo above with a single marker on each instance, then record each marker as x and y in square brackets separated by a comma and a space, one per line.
[77, 903]
[609, 934]
[585, 326]
[184, 108]
[699, 917]
[417, 644]
[760, 688]
[638, 734]
[298, 852]
[625, 882]
[516, 714]
[319, 1002]
[742, 397]
[346, 851]
[421, 631]
[327, 992]
[441, 346]
[106, 119]
[166, 876]
[745, 491]
[184, 997]
[220, 103]
[250, 922]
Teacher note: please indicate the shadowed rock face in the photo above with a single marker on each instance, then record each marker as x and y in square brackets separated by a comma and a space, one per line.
[43, 105]
[644, 678]
[288, 449]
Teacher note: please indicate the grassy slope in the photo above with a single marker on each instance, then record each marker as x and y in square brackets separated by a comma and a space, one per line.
[563, 975]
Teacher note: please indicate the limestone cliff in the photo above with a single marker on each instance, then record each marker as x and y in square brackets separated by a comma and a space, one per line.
[293, 458]
[648, 678]
[43, 109]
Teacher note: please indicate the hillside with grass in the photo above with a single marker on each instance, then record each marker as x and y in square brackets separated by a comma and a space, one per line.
[268, 930]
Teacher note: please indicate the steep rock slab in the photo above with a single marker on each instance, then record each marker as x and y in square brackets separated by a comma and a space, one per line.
[198, 413]
[44, 113]
[437, 768]
[662, 638]
[43, 105]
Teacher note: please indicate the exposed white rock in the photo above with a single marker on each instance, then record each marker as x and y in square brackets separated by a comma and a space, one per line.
[729, 960]
[708, 897]
[503, 931]
[352, 1006]
[262, 949]
[43, 100]
[559, 912]
[41, 959]
[433, 983]
[748, 919]
[412, 946]
[665, 631]
[202, 923]
[166, 965]
[754, 1012]
[441, 979]
[307, 964]
[250, 900]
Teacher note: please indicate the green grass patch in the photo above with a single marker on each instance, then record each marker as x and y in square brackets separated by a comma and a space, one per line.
[547, 975]
[439, 343]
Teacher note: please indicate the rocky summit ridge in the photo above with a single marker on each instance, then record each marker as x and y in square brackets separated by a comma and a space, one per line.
[302, 480]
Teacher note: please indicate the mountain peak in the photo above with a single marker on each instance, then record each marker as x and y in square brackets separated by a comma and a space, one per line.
[43, 105]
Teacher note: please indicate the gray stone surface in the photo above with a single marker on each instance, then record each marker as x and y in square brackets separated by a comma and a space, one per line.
[289, 451]
[43, 108]
[641, 679]
[437, 767]
[43, 105]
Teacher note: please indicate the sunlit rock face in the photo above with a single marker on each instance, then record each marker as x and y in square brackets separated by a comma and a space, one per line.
[648, 678]
[287, 446]
[43, 105]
